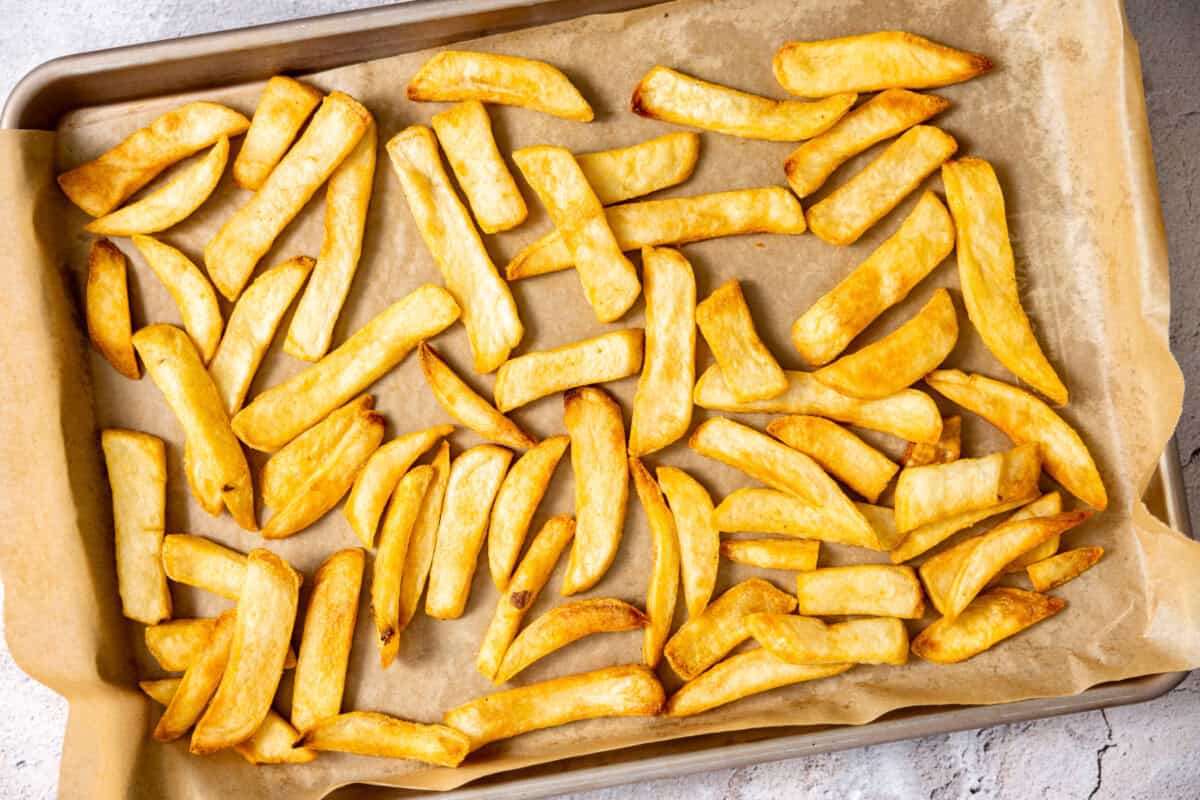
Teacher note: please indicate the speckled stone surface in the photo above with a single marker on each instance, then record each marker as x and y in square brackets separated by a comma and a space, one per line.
[1146, 751]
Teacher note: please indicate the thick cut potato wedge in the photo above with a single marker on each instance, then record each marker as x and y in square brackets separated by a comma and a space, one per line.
[990, 618]
[190, 290]
[388, 569]
[883, 520]
[568, 623]
[423, 540]
[516, 502]
[699, 539]
[177, 643]
[1045, 506]
[1050, 573]
[875, 590]
[928, 536]
[851, 460]
[807, 640]
[462, 403]
[664, 570]
[750, 371]
[798, 555]
[740, 676]
[199, 682]
[624, 173]
[202, 562]
[108, 322]
[947, 449]
[757, 510]
[938, 491]
[608, 357]
[465, 133]
[369, 733]
[455, 75]
[282, 109]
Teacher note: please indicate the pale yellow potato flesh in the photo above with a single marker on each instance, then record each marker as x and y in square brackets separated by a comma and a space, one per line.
[202, 562]
[991, 617]
[938, 491]
[567, 623]
[875, 590]
[369, 733]
[740, 676]
[883, 520]
[750, 371]
[107, 308]
[807, 640]
[462, 403]
[1045, 506]
[757, 510]
[699, 539]
[516, 502]
[798, 555]
[624, 173]
[947, 449]
[387, 571]
[282, 109]
[663, 590]
[190, 290]
[199, 682]
[604, 358]
[847, 457]
[939, 570]
[176, 643]
[928, 536]
[423, 539]
[1050, 573]
[465, 133]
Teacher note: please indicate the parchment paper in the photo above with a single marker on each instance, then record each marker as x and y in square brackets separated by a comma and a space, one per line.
[1063, 120]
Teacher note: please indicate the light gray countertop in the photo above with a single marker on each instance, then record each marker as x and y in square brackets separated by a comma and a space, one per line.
[1144, 751]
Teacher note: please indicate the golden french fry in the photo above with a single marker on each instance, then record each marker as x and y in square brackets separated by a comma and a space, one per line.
[320, 677]
[948, 448]
[854, 462]
[899, 359]
[623, 173]
[849, 210]
[282, 412]
[662, 407]
[630, 690]
[751, 373]
[516, 502]
[883, 520]
[679, 220]
[369, 733]
[199, 682]
[664, 571]
[160, 691]
[107, 304]
[282, 109]
[935, 492]
[465, 133]
[289, 467]
[462, 403]
[202, 562]
[1050, 573]
[388, 569]
[799, 555]
[699, 539]
[474, 479]
[252, 325]
[423, 540]
[740, 676]
[604, 358]
[872, 61]
[489, 312]
[191, 291]
[601, 473]
[171, 204]
[610, 282]
[706, 639]
[246, 237]
[213, 460]
[137, 472]
[758, 510]
[807, 640]
[522, 592]
[1045, 506]
[875, 590]
[100, 185]
[265, 614]
[928, 536]
[990, 618]
[454, 75]
[177, 643]
[565, 624]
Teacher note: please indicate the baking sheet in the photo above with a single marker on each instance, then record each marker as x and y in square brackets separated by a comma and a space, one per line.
[1085, 226]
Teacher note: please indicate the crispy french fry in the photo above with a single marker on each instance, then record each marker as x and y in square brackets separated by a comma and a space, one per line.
[662, 407]
[176, 643]
[137, 472]
[928, 536]
[475, 477]
[706, 639]
[990, 618]
[522, 592]
[630, 690]
[462, 403]
[455, 75]
[516, 502]
[568, 623]
[872, 61]
[246, 237]
[100, 185]
[160, 691]
[282, 109]
[422, 541]
[948, 448]
[750, 371]
[465, 133]
[675, 221]
[938, 491]
[799, 555]
[191, 291]
[1050, 573]
[202, 562]
[848, 211]
[883, 521]
[604, 358]
[320, 677]
[623, 173]
[854, 462]
[489, 312]
[664, 571]
[674, 97]
[757, 510]
[199, 682]
[282, 412]
[601, 473]
[699, 539]
[740, 676]
[388, 569]
[369, 733]
[1045, 506]
[107, 304]
[807, 640]
[876, 590]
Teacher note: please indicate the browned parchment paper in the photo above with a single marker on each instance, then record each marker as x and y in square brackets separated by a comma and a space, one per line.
[1063, 120]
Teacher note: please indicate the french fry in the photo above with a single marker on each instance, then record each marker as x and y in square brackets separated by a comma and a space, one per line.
[849, 210]
[522, 592]
[885, 115]
[928, 536]
[662, 407]
[214, 462]
[990, 618]
[854, 462]
[171, 204]
[664, 571]
[674, 97]
[465, 133]
[604, 358]
[909, 414]
[623, 173]
[423, 540]
[675, 221]
[988, 275]
[706, 639]
[107, 304]
[137, 472]
[475, 478]
[388, 569]
[462, 403]
[601, 473]
[191, 291]
[320, 677]
[883, 521]
[630, 690]
[252, 325]
[177, 643]
[1045, 506]
[872, 61]
[199, 682]
[335, 129]
[875, 590]
[750, 371]
[799, 555]
[489, 312]
[699, 539]
[1050, 573]
[948, 448]
[610, 282]
[516, 502]
[452, 76]
[368, 733]
[282, 109]
[265, 614]
[757, 510]
[740, 676]
[100, 185]
[202, 562]
[565, 624]
[922, 242]
[899, 359]
[282, 412]
[938, 491]
[807, 640]
[160, 691]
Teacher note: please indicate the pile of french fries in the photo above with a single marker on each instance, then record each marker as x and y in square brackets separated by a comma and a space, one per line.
[427, 523]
